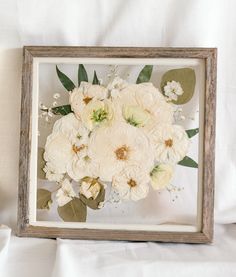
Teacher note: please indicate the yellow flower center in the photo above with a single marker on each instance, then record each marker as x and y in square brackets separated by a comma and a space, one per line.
[169, 142]
[87, 100]
[77, 149]
[132, 183]
[122, 153]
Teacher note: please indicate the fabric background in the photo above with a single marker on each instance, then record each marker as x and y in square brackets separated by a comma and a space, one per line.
[203, 23]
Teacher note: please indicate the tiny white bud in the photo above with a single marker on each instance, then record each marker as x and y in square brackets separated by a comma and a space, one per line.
[56, 95]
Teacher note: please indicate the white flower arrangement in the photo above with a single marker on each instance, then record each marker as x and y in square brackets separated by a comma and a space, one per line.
[121, 134]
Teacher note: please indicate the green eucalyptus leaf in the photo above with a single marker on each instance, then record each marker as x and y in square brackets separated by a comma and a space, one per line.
[73, 211]
[95, 79]
[82, 74]
[41, 164]
[192, 132]
[62, 110]
[145, 74]
[94, 203]
[44, 199]
[186, 77]
[66, 81]
[187, 161]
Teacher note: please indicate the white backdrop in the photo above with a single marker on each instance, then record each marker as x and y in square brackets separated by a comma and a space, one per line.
[207, 23]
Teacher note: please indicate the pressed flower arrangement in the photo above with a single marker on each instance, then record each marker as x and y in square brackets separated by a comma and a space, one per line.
[117, 154]
[119, 137]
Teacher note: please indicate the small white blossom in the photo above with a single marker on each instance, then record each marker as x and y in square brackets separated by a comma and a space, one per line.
[115, 86]
[66, 193]
[101, 205]
[172, 90]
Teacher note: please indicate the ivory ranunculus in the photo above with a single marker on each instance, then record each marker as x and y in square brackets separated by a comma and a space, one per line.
[132, 183]
[116, 147]
[65, 194]
[98, 113]
[171, 143]
[161, 176]
[136, 116]
[81, 96]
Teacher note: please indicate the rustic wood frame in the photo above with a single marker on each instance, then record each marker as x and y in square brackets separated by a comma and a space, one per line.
[209, 55]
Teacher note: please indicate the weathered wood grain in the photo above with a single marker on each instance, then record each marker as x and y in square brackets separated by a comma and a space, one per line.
[205, 235]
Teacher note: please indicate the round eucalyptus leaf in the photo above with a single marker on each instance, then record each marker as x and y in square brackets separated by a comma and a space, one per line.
[73, 211]
[44, 199]
[41, 164]
[187, 79]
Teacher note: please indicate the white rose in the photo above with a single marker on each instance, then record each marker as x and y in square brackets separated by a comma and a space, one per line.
[82, 95]
[116, 147]
[132, 183]
[65, 194]
[161, 176]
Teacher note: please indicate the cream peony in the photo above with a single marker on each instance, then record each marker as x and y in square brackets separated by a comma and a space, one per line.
[161, 176]
[116, 147]
[82, 95]
[58, 153]
[68, 142]
[171, 143]
[97, 113]
[132, 183]
[72, 128]
[65, 194]
[148, 99]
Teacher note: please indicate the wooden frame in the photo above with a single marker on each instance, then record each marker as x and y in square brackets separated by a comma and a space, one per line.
[205, 235]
